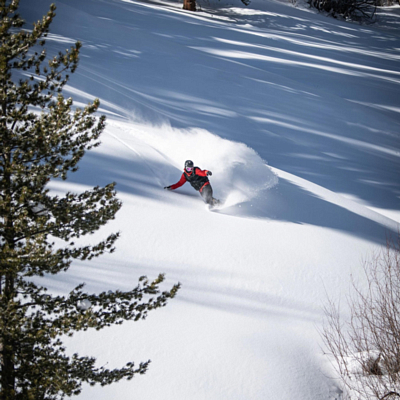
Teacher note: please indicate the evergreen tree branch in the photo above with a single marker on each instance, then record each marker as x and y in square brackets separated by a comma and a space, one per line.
[43, 137]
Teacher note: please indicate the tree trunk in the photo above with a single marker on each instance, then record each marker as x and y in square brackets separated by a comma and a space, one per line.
[191, 5]
[7, 381]
[7, 355]
[8, 374]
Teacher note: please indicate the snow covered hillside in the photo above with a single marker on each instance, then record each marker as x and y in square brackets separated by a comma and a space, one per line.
[298, 117]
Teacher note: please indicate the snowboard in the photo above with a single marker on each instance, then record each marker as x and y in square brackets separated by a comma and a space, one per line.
[215, 205]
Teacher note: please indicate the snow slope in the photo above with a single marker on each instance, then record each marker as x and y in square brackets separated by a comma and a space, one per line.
[297, 116]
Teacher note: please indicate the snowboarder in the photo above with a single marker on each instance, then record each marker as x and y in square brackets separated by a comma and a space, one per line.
[199, 181]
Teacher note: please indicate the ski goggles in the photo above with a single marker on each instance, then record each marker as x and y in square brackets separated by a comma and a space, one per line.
[189, 169]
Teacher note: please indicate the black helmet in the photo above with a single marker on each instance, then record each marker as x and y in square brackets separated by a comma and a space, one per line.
[189, 164]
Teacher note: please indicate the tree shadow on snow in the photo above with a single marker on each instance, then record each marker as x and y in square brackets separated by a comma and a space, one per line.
[288, 202]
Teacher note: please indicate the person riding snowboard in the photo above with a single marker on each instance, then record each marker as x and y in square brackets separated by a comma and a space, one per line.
[199, 181]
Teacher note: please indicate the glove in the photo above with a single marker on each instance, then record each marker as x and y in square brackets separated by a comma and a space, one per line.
[209, 173]
[167, 188]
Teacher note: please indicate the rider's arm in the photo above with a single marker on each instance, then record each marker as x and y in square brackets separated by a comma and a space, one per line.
[180, 183]
[201, 172]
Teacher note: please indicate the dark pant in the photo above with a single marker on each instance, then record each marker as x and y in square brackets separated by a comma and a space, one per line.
[207, 194]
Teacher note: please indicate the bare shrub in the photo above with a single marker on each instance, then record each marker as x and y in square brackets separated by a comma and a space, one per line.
[366, 349]
[356, 10]
[388, 3]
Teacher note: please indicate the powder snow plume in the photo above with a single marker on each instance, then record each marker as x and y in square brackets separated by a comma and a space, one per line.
[239, 173]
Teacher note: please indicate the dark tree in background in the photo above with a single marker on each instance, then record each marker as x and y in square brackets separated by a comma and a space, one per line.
[42, 137]
[189, 5]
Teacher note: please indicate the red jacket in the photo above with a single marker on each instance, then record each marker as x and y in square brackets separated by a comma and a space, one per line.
[198, 184]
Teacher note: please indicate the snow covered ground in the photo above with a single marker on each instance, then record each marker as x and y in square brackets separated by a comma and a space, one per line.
[298, 117]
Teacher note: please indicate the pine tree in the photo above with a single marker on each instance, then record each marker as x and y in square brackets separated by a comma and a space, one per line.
[43, 137]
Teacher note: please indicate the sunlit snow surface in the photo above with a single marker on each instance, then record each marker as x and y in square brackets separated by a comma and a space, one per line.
[297, 116]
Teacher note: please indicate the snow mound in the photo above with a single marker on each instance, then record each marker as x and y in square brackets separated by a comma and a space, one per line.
[239, 173]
